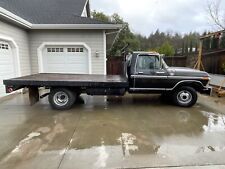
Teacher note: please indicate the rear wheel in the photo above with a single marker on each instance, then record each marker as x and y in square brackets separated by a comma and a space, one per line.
[185, 97]
[61, 98]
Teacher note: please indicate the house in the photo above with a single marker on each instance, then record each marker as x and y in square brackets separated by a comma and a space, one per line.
[53, 36]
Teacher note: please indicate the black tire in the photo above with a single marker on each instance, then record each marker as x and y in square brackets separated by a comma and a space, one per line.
[185, 96]
[61, 98]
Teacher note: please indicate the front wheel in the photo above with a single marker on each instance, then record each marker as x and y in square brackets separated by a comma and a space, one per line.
[185, 97]
[61, 98]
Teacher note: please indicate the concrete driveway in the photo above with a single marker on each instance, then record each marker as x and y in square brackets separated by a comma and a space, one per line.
[129, 132]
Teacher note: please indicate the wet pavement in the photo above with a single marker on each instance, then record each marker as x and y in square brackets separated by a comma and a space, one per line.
[130, 132]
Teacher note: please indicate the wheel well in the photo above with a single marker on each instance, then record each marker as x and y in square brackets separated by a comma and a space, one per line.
[196, 85]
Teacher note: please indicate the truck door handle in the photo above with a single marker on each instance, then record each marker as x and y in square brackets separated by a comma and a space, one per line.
[140, 73]
[160, 72]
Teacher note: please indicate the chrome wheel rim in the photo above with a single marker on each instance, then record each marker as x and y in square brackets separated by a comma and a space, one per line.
[184, 97]
[61, 98]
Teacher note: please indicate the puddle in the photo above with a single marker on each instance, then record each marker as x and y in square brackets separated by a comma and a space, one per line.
[102, 156]
[25, 141]
[210, 140]
[127, 142]
[166, 134]
[216, 122]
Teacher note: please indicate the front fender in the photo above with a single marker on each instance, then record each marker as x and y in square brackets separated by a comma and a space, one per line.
[196, 84]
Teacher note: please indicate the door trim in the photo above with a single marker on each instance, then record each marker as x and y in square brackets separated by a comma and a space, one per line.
[148, 77]
[148, 89]
[166, 89]
[15, 51]
[44, 44]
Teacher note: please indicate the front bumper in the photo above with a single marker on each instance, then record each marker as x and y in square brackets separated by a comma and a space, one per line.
[207, 91]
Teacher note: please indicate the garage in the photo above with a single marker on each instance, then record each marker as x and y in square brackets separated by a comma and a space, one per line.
[7, 66]
[65, 59]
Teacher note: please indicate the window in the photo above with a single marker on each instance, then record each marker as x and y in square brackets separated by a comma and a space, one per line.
[54, 50]
[81, 49]
[77, 50]
[4, 46]
[147, 62]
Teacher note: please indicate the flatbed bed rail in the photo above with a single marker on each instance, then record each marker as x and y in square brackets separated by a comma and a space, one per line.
[69, 80]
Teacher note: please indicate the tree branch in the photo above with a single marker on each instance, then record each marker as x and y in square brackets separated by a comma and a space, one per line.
[214, 12]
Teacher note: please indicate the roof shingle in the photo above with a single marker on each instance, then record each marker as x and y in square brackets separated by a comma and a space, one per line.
[49, 11]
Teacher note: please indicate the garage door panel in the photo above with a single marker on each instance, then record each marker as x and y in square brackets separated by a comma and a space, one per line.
[53, 66]
[2, 91]
[78, 68]
[68, 69]
[6, 62]
[7, 76]
[1, 82]
[55, 59]
[60, 69]
[4, 68]
[77, 60]
[73, 59]
[5, 58]
[7, 66]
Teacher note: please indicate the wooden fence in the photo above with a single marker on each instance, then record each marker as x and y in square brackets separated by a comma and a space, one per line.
[213, 62]
[115, 65]
[176, 61]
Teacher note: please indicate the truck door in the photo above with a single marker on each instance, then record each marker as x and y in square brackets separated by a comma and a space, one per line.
[149, 73]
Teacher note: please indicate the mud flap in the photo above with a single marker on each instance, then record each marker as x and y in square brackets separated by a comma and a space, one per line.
[33, 95]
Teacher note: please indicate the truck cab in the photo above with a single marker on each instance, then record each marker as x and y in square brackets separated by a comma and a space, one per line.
[147, 72]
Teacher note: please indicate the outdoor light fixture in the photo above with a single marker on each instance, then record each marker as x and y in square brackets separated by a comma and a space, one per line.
[97, 54]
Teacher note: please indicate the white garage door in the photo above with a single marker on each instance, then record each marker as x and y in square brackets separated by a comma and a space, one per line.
[65, 59]
[7, 68]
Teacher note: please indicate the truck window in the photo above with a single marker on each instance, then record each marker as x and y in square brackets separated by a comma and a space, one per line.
[147, 62]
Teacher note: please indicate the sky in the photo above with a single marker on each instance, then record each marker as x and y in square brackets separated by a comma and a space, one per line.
[146, 16]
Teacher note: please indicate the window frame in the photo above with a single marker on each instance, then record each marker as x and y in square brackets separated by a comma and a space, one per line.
[137, 70]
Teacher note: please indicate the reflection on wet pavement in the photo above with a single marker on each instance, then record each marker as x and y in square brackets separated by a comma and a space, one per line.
[127, 142]
[216, 122]
[115, 132]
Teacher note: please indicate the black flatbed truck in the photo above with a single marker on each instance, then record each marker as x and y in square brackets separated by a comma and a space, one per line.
[145, 72]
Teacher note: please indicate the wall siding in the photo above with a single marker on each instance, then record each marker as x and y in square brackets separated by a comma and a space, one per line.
[21, 38]
[93, 38]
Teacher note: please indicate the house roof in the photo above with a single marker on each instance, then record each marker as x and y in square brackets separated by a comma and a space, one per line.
[41, 12]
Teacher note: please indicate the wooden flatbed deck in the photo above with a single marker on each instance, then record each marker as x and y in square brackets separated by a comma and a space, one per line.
[69, 80]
